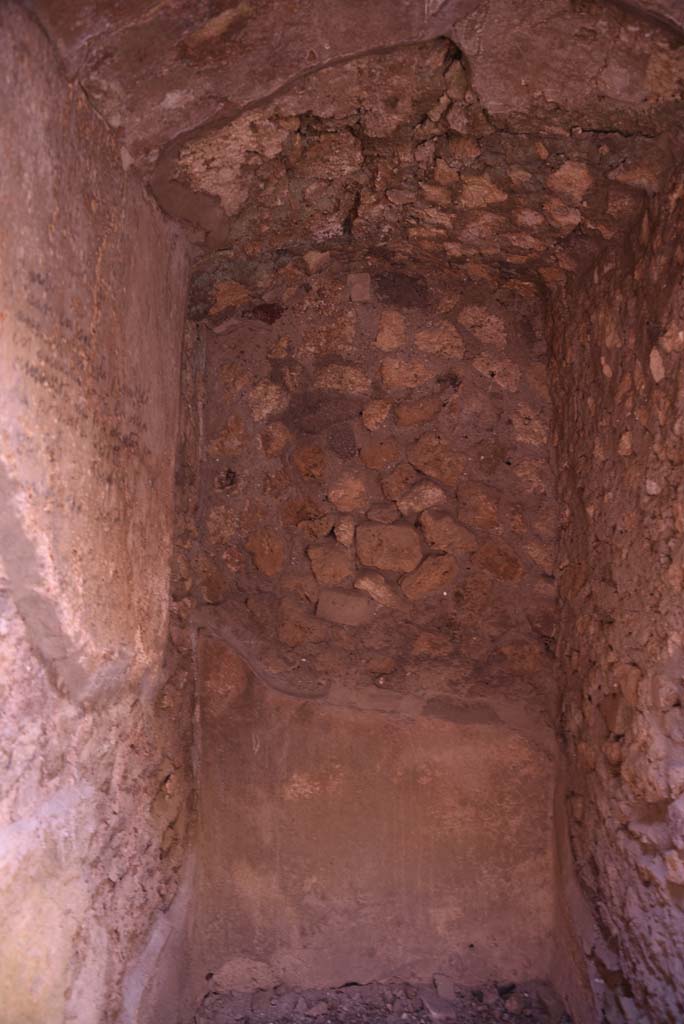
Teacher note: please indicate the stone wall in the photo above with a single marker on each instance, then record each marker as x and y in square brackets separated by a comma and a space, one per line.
[93, 742]
[618, 335]
[377, 542]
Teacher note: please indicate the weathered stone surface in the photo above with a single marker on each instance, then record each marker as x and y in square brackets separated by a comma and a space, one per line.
[375, 413]
[267, 548]
[379, 453]
[392, 330]
[399, 481]
[343, 378]
[331, 563]
[434, 455]
[417, 411]
[433, 575]
[394, 548]
[443, 533]
[402, 372]
[443, 340]
[377, 587]
[344, 607]
[349, 493]
[499, 560]
[424, 495]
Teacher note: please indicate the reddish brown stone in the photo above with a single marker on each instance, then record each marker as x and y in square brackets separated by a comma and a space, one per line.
[383, 513]
[432, 645]
[343, 378]
[380, 590]
[417, 410]
[433, 455]
[267, 548]
[375, 413]
[477, 507]
[274, 438]
[298, 625]
[344, 607]
[442, 533]
[378, 453]
[401, 372]
[435, 574]
[392, 331]
[399, 481]
[394, 548]
[310, 461]
[344, 531]
[443, 339]
[331, 562]
[349, 493]
[424, 495]
[499, 560]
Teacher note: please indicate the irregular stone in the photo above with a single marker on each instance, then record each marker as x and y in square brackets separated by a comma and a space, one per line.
[380, 664]
[656, 365]
[399, 481]
[444, 534]
[230, 439]
[392, 331]
[349, 493]
[435, 574]
[433, 645]
[267, 399]
[344, 607]
[375, 413]
[267, 548]
[403, 372]
[481, 191]
[487, 327]
[500, 561]
[228, 294]
[316, 260]
[274, 439]
[571, 179]
[344, 531]
[476, 507]
[359, 287]
[417, 410]
[383, 513]
[424, 495]
[443, 340]
[528, 427]
[298, 626]
[503, 372]
[303, 584]
[309, 516]
[378, 453]
[394, 548]
[331, 562]
[339, 377]
[310, 461]
[379, 589]
[432, 455]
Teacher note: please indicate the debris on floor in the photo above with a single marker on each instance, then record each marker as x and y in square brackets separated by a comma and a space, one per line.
[392, 1002]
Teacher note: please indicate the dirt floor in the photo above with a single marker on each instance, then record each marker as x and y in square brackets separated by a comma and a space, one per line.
[388, 1003]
